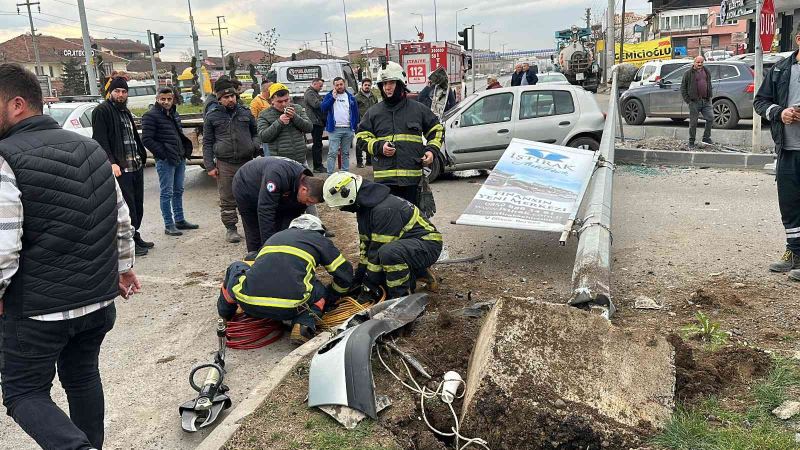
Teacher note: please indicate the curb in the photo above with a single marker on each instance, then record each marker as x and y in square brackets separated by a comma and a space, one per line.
[224, 431]
[681, 158]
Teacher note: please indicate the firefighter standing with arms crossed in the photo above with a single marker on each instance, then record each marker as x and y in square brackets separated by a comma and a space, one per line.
[401, 135]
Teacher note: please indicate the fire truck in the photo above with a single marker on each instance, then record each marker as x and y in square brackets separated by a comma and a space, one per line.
[419, 59]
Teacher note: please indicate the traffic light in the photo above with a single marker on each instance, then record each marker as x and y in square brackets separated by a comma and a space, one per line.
[463, 38]
[157, 45]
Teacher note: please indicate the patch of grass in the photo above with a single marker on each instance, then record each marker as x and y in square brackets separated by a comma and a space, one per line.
[325, 434]
[706, 330]
[709, 426]
[182, 109]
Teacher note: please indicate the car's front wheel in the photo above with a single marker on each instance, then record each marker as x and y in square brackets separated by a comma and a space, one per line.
[725, 114]
[633, 112]
[585, 143]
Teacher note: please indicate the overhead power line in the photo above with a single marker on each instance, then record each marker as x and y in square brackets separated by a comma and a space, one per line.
[147, 19]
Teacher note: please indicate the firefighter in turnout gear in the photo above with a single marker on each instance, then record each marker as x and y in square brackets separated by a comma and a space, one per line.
[397, 244]
[281, 284]
[401, 135]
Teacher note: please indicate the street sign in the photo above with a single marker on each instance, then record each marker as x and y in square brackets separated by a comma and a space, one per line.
[767, 19]
[534, 186]
[732, 9]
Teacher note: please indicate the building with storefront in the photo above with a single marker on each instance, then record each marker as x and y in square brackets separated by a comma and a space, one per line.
[696, 27]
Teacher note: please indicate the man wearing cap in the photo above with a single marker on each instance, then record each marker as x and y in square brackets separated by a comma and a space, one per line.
[281, 284]
[270, 192]
[229, 141]
[114, 130]
[283, 126]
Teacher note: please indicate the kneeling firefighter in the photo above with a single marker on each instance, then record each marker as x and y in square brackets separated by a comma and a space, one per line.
[281, 284]
[397, 244]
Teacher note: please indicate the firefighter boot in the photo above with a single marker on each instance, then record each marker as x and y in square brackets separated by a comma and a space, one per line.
[300, 334]
[788, 262]
[429, 278]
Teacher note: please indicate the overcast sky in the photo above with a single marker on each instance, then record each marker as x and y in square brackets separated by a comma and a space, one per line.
[518, 24]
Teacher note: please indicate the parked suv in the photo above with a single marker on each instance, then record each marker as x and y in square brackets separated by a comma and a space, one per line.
[653, 71]
[733, 88]
[482, 125]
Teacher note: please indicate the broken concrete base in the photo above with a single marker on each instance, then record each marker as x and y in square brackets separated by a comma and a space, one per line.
[551, 376]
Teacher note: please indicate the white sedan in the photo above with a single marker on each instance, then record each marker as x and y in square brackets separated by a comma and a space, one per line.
[75, 116]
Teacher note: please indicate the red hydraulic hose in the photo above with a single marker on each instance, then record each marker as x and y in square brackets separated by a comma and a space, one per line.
[247, 333]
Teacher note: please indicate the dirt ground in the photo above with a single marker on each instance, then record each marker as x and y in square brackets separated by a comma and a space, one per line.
[665, 143]
[676, 232]
[693, 240]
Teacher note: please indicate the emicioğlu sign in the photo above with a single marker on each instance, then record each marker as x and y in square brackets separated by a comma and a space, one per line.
[638, 54]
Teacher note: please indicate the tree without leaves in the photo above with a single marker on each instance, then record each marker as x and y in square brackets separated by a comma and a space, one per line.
[269, 40]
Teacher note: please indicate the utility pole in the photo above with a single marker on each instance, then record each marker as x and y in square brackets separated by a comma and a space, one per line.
[457, 27]
[346, 32]
[219, 32]
[759, 75]
[610, 35]
[622, 35]
[87, 49]
[200, 77]
[490, 33]
[150, 44]
[435, 22]
[389, 21]
[39, 69]
[589, 18]
[327, 51]
[474, 61]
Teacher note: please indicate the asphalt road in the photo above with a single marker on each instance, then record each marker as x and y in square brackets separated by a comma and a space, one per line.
[679, 223]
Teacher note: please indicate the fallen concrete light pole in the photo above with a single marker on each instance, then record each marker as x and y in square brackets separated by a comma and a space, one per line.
[591, 276]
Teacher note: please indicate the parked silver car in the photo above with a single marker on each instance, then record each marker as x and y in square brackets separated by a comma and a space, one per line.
[480, 127]
[733, 88]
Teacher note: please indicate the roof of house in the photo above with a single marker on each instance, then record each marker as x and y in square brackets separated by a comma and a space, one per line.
[161, 66]
[116, 45]
[51, 49]
[373, 53]
[313, 54]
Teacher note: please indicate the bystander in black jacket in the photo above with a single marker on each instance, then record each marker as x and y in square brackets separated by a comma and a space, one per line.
[775, 91]
[230, 137]
[516, 78]
[162, 134]
[107, 131]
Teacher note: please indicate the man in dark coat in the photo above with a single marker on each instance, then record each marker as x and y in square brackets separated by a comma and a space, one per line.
[163, 135]
[696, 91]
[114, 130]
[778, 100]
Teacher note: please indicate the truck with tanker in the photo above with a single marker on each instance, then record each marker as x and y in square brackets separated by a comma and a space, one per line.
[576, 57]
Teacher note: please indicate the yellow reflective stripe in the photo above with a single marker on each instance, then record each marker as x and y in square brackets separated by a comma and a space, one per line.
[432, 237]
[397, 173]
[363, 237]
[425, 224]
[363, 259]
[374, 267]
[414, 219]
[311, 263]
[335, 264]
[395, 283]
[437, 132]
[369, 139]
[401, 138]
[384, 238]
[338, 288]
[395, 267]
[266, 301]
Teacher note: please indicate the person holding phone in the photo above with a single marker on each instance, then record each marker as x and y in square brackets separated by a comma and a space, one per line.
[402, 136]
[284, 125]
[341, 110]
[778, 100]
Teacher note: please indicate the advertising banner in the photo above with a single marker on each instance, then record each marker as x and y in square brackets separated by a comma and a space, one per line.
[638, 54]
[534, 186]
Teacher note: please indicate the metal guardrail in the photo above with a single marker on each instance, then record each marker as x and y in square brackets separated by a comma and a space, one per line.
[591, 276]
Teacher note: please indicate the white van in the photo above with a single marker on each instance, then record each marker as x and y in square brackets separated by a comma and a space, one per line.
[652, 71]
[141, 94]
[297, 75]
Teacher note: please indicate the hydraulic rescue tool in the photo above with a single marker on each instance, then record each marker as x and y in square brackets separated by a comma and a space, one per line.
[211, 399]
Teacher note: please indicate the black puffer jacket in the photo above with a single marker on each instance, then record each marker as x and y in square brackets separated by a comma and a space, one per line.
[162, 134]
[229, 137]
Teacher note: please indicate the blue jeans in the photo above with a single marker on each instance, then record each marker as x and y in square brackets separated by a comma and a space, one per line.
[31, 352]
[170, 178]
[265, 149]
[342, 139]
